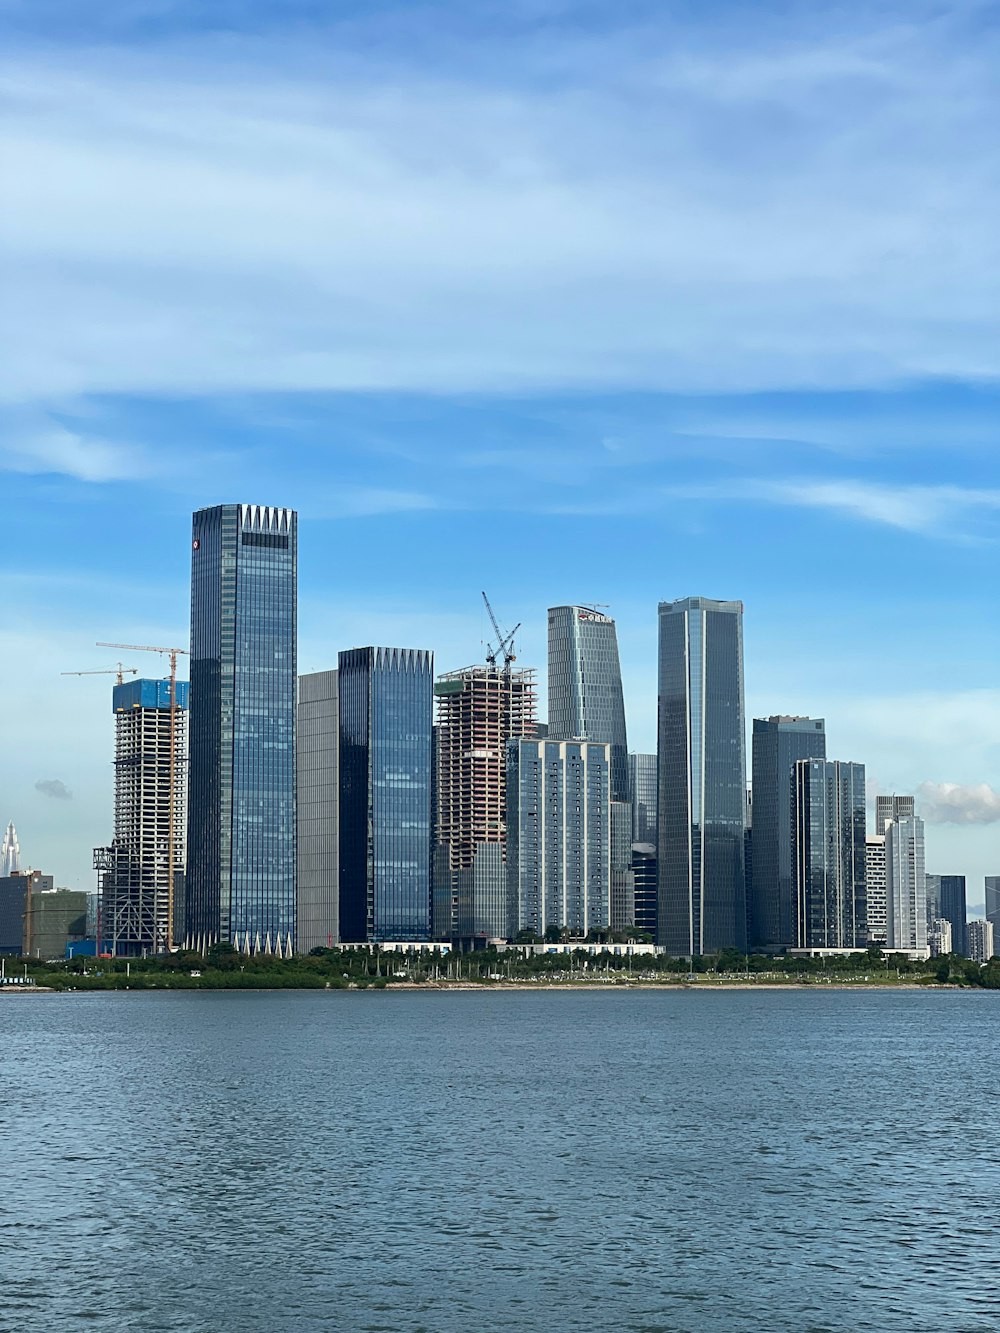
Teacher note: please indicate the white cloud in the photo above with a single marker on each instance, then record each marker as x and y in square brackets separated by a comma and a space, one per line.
[952, 803]
[53, 449]
[810, 208]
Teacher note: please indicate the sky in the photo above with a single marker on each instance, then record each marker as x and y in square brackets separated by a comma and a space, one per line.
[569, 302]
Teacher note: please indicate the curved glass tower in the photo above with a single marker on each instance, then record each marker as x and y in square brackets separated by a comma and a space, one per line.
[586, 701]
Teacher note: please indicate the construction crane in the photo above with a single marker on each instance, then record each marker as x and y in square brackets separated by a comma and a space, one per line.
[118, 671]
[505, 642]
[174, 653]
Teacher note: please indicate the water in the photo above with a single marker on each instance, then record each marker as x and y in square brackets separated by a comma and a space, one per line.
[650, 1161]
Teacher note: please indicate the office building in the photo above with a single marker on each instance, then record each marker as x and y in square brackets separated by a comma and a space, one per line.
[141, 872]
[642, 788]
[778, 744]
[644, 887]
[993, 903]
[10, 852]
[939, 937]
[888, 808]
[877, 903]
[933, 883]
[558, 836]
[950, 894]
[479, 709]
[981, 941]
[37, 920]
[317, 805]
[905, 884]
[240, 879]
[386, 705]
[622, 878]
[586, 701]
[829, 854]
[701, 765]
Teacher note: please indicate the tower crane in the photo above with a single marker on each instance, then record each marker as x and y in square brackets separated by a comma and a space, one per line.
[118, 671]
[505, 642]
[174, 653]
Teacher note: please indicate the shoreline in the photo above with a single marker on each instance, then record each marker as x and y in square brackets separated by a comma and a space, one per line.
[438, 987]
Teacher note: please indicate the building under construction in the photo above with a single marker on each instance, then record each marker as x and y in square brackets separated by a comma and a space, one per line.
[142, 871]
[479, 709]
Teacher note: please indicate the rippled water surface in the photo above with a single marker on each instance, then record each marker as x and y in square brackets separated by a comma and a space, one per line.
[652, 1161]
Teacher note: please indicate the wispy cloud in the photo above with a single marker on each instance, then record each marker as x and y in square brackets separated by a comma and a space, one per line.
[952, 803]
[54, 788]
[50, 448]
[694, 208]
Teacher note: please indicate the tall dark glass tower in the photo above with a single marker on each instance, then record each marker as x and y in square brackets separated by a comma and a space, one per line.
[241, 789]
[586, 701]
[385, 793]
[778, 743]
[953, 909]
[701, 759]
[829, 854]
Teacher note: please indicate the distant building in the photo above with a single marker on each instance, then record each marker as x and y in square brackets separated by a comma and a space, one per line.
[993, 903]
[701, 765]
[386, 704]
[141, 871]
[933, 883]
[906, 887]
[950, 890]
[939, 937]
[38, 920]
[586, 700]
[240, 882]
[829, 854]
[559, 836]
[644, 887]
[779, 742]
[622, 878]
[888, 808]
[981, 946]
[642, 787]
[479, 709]
[317, 812]
[10, 852]
[877, 903]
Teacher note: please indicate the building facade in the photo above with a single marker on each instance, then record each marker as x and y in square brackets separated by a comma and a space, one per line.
[317, 805]
[558, 836]
[950, 895]
[905, 882]
[642, 789]
[241, 811]
[877, 902]
[778, 744]
[939, 937]
[386, 705]
[701, 765]
[10, 852]
[829, 854]
[888, 808]
[479, 709]
[622, 877]
[993, 903]
[981, 941]
[586, 700]
[644, 881]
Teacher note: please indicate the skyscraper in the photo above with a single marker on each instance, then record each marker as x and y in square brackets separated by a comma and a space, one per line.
[701, 762]
[317, 812]
[993, 903]
[385, 793]
[778, 744]
[952, 907]
[10, 852]
[241, 809]
[829, 854]
[981, 941]
[586, 701]
[642, 787]
[479, 709]
[888, 808]
[558, 836]
[905, 883]
[876, 890]
[140, 897]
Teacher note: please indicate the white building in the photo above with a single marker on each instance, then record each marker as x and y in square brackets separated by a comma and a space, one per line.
[875, 876]
[979, 940]
[906, 884]
[939, 937]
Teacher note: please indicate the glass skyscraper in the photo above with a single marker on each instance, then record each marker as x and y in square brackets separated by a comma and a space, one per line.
[241, 795]
[952, 907]
[701, 762]
[829, 854]
[642, 785]
[778, 743]
[586, 701]
[385, 793]
[993, 904]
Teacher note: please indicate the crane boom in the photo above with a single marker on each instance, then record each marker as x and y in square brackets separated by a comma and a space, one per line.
[505, 642]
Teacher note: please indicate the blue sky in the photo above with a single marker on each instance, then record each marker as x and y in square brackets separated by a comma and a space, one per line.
[567, 301]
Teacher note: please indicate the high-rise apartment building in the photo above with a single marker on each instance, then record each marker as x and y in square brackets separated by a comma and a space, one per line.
[949, 891]
[993, 903]
[981, 941]
[877, 904]
[829, 854]
[386, 705]
[642, 787]
[142, 871]
[241, 808]
[778, 744]
[479, 709]
[905, 882]
[586, 701]
[317, 812]
[558, 836]
[701, 763]
[939, 937]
